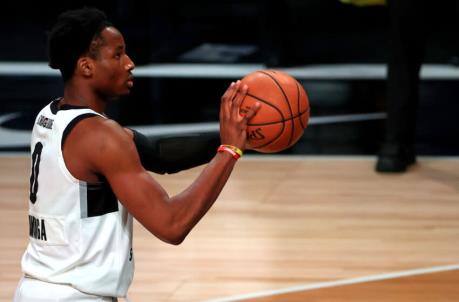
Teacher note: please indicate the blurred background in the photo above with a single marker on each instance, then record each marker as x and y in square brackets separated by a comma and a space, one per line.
[315, 40]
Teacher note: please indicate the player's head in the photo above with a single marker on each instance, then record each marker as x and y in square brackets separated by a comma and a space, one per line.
[83, 43]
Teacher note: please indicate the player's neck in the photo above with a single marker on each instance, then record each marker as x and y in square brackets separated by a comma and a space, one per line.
[79, 97]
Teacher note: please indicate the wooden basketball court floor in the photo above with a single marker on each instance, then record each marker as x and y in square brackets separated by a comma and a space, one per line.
[297, 228]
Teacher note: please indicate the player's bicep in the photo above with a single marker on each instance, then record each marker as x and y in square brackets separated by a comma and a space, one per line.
[136, 189]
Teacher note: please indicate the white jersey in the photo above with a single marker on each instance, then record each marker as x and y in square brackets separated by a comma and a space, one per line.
[80, 234]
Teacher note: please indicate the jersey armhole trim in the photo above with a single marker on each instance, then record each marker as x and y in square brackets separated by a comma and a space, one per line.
[65, 133]
[72, 125]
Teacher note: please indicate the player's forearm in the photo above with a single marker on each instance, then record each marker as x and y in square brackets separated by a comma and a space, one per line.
[191, 205]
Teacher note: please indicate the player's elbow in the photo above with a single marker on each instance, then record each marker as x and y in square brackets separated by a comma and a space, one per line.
[174, 237]
[177, 241]
[170, 232]
[171, 227]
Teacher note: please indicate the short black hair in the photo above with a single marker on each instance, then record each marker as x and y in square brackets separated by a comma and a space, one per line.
[72, 36]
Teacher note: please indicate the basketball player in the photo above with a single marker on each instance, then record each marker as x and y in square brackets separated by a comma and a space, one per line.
[88, 181]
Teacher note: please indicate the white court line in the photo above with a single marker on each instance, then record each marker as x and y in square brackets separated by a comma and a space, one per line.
[306, 287]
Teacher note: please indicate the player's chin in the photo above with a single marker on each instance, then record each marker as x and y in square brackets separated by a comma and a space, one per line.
[126, 90]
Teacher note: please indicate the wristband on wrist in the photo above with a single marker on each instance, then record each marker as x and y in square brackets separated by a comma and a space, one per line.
[234, 151]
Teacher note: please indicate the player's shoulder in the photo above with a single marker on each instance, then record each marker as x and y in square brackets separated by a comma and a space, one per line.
[98, 131]
[98, 145]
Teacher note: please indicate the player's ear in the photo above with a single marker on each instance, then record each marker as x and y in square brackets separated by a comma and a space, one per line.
[85, 66]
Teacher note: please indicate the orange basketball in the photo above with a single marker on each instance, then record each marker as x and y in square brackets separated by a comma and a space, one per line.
[284, 111]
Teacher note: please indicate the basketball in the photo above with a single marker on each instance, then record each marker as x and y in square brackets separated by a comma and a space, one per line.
[284, 112]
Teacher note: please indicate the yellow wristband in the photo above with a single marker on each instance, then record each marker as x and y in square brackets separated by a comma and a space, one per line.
[235, 149]
[227, 148]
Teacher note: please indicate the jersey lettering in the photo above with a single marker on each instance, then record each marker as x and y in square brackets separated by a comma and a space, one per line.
[37, 228]
[45, 122]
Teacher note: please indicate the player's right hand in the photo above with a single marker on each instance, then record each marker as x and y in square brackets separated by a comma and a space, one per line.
[233, 125]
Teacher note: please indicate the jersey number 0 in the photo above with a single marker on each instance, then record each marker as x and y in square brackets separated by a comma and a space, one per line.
[36, 156]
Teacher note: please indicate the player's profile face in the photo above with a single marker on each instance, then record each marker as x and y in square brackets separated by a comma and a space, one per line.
[113, 66]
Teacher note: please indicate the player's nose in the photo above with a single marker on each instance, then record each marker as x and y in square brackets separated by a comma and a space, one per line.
[130, 64]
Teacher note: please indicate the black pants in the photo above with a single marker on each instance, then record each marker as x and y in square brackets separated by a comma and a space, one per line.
[406, 37]
[411, 22]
